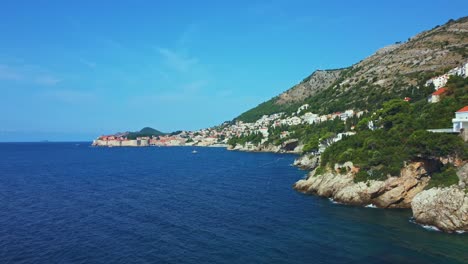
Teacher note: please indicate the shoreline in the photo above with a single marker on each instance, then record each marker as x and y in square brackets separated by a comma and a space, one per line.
[375, 194]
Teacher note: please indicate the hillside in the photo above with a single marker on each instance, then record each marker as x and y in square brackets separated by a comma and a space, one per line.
[394, 71]
[145, 132]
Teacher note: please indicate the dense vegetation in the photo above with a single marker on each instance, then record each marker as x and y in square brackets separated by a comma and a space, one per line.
[145, 132]
[401, 133]
[254, 138]
[338, 97]
[266, 108]
[402, 136]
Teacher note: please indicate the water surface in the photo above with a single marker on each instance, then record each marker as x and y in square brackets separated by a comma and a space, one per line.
[71, 203]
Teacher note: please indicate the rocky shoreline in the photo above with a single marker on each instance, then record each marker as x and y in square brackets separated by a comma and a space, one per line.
[444, 208]
[293, 148]
[395, 192]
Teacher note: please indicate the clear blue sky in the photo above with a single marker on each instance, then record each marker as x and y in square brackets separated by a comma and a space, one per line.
[72, 70]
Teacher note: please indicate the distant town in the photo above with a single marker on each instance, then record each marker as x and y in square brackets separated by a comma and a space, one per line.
[219, 136]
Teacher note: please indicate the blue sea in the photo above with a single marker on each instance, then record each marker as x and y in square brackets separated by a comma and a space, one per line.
[72, 203]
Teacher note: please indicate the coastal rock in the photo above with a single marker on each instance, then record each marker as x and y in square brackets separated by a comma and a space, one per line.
[307, 162]
[444, 208]
[462, 174]
[249, 147]
[395, 192]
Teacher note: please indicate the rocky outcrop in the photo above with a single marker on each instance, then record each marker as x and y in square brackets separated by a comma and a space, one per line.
[395, 192]
[462, 174]
[295, 148]
[444, 208]
[310, 86]
[307, 162]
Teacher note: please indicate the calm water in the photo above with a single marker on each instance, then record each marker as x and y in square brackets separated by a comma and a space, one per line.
[71, 203]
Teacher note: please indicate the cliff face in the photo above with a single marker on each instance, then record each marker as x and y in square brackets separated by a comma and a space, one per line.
[307, 162]
[311, 85]
[395, 192]
[445, 208]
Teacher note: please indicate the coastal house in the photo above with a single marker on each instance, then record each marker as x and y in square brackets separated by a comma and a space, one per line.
[435, 96]
[264, 131]
[461, 120]
[310, 118]
[438, 81]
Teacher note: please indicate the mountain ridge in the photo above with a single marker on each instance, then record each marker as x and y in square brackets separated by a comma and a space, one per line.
[394, 70]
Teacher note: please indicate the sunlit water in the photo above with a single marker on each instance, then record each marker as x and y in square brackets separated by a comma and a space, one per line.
[71, 203]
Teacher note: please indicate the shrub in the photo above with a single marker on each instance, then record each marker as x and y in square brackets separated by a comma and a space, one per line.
[447, 177]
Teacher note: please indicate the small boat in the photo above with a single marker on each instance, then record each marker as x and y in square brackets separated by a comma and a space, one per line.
[194, 151]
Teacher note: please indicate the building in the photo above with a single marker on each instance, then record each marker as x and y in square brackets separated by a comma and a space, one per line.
[441, 80]
[461, 119]
[438, 81]
[435, 96]
[460, 71]
[310, 118]
[303, 107]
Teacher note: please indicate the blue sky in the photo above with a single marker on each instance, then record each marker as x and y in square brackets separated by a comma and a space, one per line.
[72, 70]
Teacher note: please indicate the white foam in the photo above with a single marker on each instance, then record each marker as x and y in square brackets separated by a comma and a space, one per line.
[333, 201]
[427, 227]
[430, 228]
[371, 206]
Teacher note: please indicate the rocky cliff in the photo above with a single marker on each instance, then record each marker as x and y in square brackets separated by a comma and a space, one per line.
[310, 86]
[395, 192]
[444, 208]
[307, 162]
[266, 148]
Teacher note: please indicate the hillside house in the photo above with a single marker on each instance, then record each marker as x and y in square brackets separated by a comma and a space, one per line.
[438, 81]
[435, 96]
[461, 119]
[303, 107]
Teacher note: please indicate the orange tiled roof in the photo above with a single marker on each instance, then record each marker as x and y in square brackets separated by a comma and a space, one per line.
[464, 109]
[440, 91]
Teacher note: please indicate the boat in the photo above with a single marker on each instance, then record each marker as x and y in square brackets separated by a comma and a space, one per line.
[194, 151]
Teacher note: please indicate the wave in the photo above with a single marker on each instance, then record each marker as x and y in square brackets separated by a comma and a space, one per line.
[333, 201]
[427, 227]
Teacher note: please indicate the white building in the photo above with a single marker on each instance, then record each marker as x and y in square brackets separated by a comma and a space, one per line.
[441, 80]
[294, 121]
[303, 107]
[438, 81]
[461, 119]
[340, 136]
[264, 131]
[460, 71]
[310, 118]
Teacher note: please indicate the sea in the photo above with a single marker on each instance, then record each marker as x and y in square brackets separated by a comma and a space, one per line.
[73, 203]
